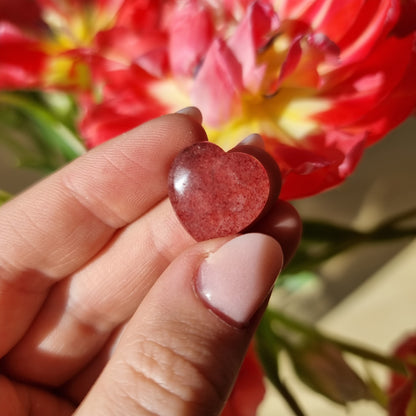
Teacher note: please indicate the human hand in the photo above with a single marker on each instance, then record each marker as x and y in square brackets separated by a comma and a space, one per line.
[107, 305]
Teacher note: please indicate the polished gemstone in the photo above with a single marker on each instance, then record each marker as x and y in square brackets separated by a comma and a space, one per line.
[216, 193]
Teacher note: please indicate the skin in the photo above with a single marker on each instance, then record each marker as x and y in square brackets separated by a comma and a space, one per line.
[92, 262]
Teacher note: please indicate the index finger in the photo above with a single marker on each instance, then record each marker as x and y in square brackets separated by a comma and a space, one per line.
[55, 227]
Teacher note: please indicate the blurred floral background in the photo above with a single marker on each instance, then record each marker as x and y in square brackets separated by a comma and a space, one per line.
[323, 82]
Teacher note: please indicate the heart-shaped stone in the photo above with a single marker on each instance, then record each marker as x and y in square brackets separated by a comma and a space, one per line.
[216, 194]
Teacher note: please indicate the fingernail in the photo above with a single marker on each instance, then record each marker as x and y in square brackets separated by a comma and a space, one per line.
[253, 140]
[235, 280]
[192, 112]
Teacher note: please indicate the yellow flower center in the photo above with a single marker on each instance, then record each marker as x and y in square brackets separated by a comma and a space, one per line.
[286, 115]
[77, 28]
[71, 30]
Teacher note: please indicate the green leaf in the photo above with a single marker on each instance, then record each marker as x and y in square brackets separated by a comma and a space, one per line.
[294, 282]
[322, 367]
[308, 332]
[54, 136]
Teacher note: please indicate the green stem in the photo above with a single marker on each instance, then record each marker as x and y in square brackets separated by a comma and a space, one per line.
[339, 239]
[268, 346]
[288, 396]
[55, 132]
[388, 361]
[403, 216]
[384, 234]
[309, 261]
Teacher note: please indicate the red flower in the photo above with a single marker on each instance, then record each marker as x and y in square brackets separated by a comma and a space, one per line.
[249, 388]
[24, 13]
[21, 60]
[315, 78]
[402, 389]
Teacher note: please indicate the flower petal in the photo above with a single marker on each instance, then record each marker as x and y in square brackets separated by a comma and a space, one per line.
[407, 19]
[249, 388]
[218, 84]
[21, 59]
[259, 25]
[127, 104]
[375, 20]
[22, 13]
[370, 84]
[323, 162]
[190, 33]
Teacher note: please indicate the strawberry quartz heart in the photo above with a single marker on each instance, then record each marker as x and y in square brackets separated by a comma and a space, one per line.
[216, 194]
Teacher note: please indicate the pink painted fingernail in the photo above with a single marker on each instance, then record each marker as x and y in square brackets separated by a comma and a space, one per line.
[192, 112]
[253, 140]
[236, 280]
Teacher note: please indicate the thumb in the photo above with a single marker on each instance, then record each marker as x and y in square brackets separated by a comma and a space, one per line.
[181, 352]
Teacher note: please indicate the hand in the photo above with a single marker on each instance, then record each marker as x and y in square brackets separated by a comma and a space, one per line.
[107, 305]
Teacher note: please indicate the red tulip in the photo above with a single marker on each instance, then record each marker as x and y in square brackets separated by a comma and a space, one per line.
[24, 13]
[315, 78]
[22, 62]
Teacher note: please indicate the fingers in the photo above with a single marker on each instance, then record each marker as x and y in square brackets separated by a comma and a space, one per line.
[284, 224]
[106, 189]
[20, 399]
[81, 312]
[54, 228]
[182, 349]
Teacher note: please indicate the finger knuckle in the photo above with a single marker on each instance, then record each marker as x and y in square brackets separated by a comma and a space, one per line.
[156, 371]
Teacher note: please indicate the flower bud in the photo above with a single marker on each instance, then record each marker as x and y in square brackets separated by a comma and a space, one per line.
[322, 367]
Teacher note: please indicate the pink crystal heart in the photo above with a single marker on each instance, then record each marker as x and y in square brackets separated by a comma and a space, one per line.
[215, 194]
